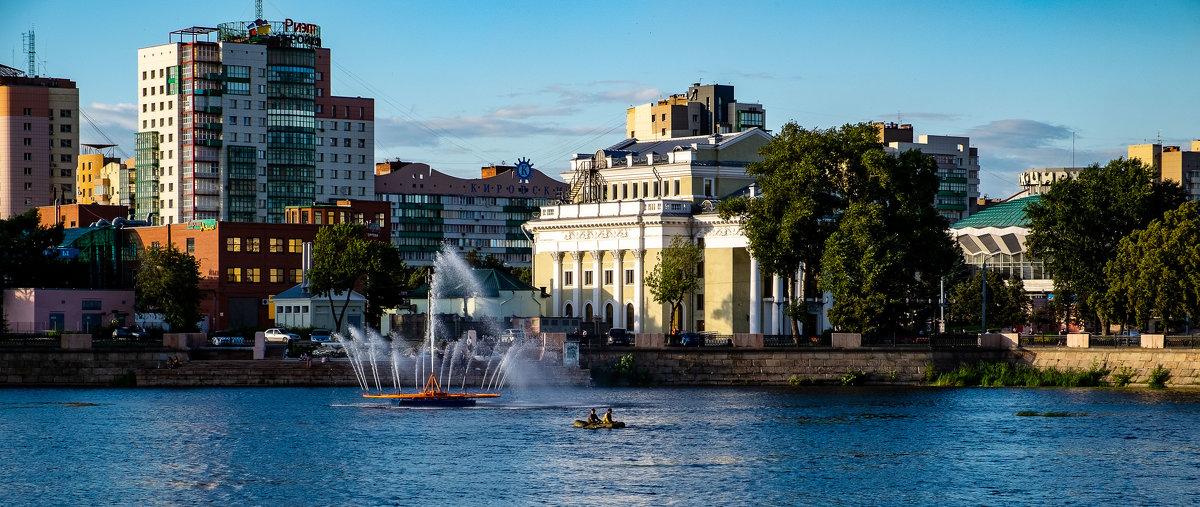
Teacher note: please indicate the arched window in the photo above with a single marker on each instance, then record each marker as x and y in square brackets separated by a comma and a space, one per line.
[608, 315]
[567, 311]
[587, 313]
[629, 316]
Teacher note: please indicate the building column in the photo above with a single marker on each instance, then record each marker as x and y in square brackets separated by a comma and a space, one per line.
[780, 298]
[597, 282]
[577, 297]
[638, 291]
[556, 284]
[755, 298]
[618, 287]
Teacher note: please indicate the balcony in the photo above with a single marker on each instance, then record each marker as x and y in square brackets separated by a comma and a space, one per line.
[212, 92]
[213, 109]
[215, 143]
[617, 209]
[210, 126]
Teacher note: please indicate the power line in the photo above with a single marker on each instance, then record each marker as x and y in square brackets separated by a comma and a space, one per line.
[102, 133]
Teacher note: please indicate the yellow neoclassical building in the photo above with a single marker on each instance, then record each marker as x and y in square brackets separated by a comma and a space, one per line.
[629, 202]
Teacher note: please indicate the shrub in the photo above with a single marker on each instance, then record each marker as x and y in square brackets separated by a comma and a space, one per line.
[997, 374]
[1123, 376]
[1159, 377]
[854, 378]
[798, 380]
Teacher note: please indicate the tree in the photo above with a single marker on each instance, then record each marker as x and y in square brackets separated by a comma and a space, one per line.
[168, 282]
[1077, 225]
[343, 257]
[1156, 272]
[800, 179]
[675, 277]
[1007, 301]
[24, 261]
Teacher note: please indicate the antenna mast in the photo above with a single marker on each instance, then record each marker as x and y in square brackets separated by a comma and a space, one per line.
[258, 9]
[28, 43]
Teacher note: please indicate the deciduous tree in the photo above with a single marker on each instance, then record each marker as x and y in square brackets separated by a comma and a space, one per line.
[674, 277]
[1156, 272]
[343, 257]
[168, 283]
[1077, 225]
[1007, 301]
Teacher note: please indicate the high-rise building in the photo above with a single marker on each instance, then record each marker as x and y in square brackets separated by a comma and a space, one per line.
[958, 166]
[39, 141]
[431, 209]
[704, 110]
[102, 178]
[1172, 164]
[237, 123]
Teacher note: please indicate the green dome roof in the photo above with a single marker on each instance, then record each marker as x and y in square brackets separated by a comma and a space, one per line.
[1009, 213]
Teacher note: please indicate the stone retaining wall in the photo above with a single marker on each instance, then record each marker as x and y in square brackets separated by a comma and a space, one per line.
[1183, 364]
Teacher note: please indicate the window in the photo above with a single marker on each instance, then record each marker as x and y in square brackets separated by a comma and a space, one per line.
[297, 275]
[276, 245]
[191, 245]
[699, 302]
[568, 278]
[64, 128]
[276, 275]
[608, 276]
[587, 278]
[91, 305]
[628, 276]
[233, 244]
[252, 245]
[676, 186]
[708, 187]
[252, 275]
[294, 246]
[233, 275]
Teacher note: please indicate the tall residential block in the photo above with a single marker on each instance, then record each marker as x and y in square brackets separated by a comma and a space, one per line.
[39, 141]
[238, 122]
[703, 110]
[1172, 164]
[958, 166]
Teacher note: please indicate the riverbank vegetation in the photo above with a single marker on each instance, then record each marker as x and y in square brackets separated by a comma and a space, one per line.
[1000, 374]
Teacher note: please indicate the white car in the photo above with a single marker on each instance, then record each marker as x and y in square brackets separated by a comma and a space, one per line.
[278, 334]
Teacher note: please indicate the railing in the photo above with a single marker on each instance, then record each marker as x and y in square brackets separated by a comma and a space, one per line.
[142, 341]
[1181, 341]
[30, 340]
[1042, 340]
[787, 340]
[1114, 341]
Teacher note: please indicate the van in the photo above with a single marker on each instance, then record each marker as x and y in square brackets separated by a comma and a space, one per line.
[617, 336]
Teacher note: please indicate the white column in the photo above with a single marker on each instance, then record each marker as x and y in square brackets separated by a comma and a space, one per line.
[780, 298]
[597, 283]
[577, 298]
[618, 285]
[556, 284]
[638, 296]
[755, 298]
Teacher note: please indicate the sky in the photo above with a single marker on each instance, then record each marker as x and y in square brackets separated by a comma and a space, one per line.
[460, 85]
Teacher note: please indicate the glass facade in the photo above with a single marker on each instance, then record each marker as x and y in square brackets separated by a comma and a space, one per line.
[145, 202]
[241, 173]
[291, 130]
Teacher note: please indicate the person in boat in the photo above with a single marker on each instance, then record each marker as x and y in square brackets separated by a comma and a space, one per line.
[608, 417]
[593, 418]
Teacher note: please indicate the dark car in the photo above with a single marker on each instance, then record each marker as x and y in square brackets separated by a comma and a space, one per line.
[691, 340]
[130, 333]
[617, 336]
[320, 336]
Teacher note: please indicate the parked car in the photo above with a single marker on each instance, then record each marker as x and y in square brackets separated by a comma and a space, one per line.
[321, 336]
[130, 333]
[278, 334]
[617, 336]
[226, 337]
[512, 336]
[691, 340]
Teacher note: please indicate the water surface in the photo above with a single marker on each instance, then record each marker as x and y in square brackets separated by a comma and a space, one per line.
[842, 446]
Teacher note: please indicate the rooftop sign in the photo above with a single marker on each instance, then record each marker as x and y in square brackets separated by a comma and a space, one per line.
[287, 33]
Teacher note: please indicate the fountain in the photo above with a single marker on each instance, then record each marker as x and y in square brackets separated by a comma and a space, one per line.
[368, 351]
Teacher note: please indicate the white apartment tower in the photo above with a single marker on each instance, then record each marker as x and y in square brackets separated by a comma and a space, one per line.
[236, 123]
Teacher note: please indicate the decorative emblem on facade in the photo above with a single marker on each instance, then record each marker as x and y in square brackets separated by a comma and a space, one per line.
[524, 169]
[596, 234]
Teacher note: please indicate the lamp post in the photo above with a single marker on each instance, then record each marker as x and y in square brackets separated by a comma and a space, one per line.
[983, 291]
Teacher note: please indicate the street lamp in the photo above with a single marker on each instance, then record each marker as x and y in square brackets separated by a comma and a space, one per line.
[983, 290]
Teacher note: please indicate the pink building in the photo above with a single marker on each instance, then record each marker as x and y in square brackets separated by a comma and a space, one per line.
[34, 310]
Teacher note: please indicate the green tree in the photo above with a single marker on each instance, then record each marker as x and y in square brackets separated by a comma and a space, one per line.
[168, 282]
[1156, 272]
[675, 277]
[24, 262]
[802, 181]
[1007, 302]
[1077, 225]
[343, 258]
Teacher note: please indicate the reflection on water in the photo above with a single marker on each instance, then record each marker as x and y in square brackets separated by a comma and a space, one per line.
[852, 446]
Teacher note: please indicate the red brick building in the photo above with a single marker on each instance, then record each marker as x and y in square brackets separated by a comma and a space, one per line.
[372, 214]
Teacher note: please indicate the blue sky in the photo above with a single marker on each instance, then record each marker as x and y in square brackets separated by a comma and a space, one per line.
[462, 84]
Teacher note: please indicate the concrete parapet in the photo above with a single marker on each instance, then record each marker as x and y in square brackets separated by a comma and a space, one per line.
[847, 340]
[999, 341]
[748, 340]
[184, 341]
[76, 341]
[260, 345]
[1153, 341]
[1078, 340]
[649, 340]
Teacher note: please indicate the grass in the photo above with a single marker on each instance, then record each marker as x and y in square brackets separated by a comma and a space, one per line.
[1000, 374]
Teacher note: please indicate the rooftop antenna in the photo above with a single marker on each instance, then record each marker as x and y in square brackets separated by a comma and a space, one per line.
[28, 44]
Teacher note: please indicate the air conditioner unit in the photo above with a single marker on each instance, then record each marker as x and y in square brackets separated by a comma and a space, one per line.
[266, 302]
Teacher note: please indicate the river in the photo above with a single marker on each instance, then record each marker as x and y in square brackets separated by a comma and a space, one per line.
[728, 446]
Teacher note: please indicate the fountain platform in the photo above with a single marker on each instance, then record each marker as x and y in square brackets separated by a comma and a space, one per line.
[434, 396]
